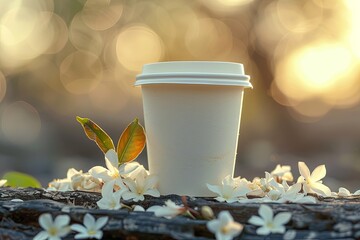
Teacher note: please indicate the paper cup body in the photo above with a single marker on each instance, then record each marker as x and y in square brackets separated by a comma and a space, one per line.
[192, 113]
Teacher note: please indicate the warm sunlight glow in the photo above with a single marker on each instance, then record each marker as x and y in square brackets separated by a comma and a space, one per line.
[138, 45]
[353, 36]
[314, 71]
[81, 72]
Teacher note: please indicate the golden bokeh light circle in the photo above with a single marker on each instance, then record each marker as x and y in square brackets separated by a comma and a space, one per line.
[138, 45]
[81, 72]
[313, 70]
[60, 34]
[84, 38]
[225, 6]
[100, 15]
[208, 38]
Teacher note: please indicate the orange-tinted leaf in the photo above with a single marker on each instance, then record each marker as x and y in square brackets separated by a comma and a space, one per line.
[95, 133]
[131, 142]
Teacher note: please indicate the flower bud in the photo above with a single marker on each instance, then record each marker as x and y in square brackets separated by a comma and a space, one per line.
[207, 212]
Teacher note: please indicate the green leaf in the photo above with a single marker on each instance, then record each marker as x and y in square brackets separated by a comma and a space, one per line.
[131, 143]
[17, 179]
[95, 133]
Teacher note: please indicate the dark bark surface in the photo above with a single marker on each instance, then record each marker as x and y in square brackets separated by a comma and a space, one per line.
[330, 219]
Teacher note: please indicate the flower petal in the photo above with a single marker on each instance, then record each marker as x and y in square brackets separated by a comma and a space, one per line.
[103, 203]
[101, 222]
[152, 192]
[263, 231]
[82, 236]
[78, 228]
[100, 172]
[304, 170]
[46, 221]
[107, 189]
[129, 195]
[215, 189]
[214, 225]
[98, 235]
[266, 213]
[278, 229]
[89, 221]
[128, 168]
[167, 212]
[225, 217]
[321, 189]
[318, 173]
[257, 221]
[282, 218]
[130, 184]
[111, 160]
[139, 208]
[234, 228]
[62, 220]
[62, 232]
[41, 235]
[151, 182]
[343, 192]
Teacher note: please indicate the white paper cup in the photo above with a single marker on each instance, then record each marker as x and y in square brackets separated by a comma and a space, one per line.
[192, 116]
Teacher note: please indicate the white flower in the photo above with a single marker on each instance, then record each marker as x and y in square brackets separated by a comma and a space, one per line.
[3, 182]
[143, 184]
[91, 228]
[53, 230]
[138, 208]
[110, 199]
[292, 194]
[343, 192]
[68, 183]
[231, 189]
[83, 181]
[224, 226]
[169, 210]
[111, 173]
[268, 183]
[268, 223]
[64, 184]
[311, 183]
[282, 173]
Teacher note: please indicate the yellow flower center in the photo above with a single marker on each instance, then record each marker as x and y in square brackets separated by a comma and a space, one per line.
[140, 190]
[269, 225]
[225, 229]
[115, 175]
[112, 204]
[53, 231]
[91, 232]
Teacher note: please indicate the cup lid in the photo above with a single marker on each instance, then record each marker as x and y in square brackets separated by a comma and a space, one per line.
[194, 72]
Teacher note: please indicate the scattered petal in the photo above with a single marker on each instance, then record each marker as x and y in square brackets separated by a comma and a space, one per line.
[91, 228]
[312, 182]
[224, 226]
[53, 229]
[268, 222]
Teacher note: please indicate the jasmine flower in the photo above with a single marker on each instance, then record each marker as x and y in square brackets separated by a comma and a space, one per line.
[91, 227]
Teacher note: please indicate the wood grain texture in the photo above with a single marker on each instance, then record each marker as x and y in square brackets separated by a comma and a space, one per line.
[330, 219]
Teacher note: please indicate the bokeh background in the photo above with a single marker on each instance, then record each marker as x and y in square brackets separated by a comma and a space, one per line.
[59, 59]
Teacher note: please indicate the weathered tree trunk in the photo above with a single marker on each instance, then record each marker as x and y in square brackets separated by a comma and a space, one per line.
[330, 219]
